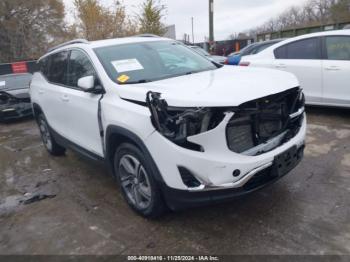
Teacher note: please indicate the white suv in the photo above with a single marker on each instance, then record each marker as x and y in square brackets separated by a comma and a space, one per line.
[174, 128]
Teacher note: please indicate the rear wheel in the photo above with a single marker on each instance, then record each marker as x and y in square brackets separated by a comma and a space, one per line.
[136, 181]
[49, 142]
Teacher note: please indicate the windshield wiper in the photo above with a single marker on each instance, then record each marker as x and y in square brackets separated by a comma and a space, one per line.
[137, 82]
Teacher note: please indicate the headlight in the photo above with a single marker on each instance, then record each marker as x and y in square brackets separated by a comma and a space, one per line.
[177, 124]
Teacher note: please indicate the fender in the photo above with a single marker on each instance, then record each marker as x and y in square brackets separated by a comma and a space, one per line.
[125, 134]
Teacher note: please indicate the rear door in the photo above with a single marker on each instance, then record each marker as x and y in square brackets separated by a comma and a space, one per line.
[303, 59]
[336, 70]
[48, 90]
[79, 108]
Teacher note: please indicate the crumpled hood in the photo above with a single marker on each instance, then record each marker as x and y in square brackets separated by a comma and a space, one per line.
[18, 93]
[226, 86]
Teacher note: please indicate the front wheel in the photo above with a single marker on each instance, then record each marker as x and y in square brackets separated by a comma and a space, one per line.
[136, 181]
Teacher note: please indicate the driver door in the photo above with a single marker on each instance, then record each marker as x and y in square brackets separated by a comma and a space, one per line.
[80, 108]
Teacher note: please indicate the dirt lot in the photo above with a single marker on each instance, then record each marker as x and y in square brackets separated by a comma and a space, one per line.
[82, 212]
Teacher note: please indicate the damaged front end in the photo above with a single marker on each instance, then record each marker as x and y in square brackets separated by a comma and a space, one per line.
[256, 127]
[177, 124]
[261, 125]
[12, 107]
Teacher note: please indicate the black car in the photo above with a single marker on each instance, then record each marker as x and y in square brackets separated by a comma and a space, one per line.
[14, 96]
[14, 89]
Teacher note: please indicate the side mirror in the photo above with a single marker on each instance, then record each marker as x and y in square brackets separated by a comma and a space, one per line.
[90, 84]
[87, 83]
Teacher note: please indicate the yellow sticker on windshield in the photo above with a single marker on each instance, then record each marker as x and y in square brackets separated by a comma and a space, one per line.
[123, 78]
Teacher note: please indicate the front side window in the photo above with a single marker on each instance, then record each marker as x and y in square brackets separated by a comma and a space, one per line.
[302, 49]
[58, 67]
[79, 66]
[150, 61]
[338, 47]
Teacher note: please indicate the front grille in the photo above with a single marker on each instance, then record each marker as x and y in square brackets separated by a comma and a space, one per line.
[258, 121]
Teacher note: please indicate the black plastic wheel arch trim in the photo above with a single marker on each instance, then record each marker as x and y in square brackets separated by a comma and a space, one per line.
[117, 130]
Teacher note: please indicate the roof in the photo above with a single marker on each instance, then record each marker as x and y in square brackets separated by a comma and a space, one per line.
[323, 33]
[107, 42]
[126, 40]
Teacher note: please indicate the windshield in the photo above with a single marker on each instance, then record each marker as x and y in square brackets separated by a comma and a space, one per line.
[15, 81]
[247, 49]
[263, 47]
[150, 61]
[201, 51]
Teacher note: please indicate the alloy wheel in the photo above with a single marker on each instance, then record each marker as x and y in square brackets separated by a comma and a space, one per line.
[135, 181]
[45, 134]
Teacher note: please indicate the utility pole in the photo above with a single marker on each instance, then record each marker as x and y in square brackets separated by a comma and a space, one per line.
[192, 31]
[211, 23]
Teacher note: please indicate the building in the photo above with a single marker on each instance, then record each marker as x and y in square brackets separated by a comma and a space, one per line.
[171, 32]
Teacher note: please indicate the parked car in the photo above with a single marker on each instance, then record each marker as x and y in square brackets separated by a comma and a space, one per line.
[175, 129]
[321, 62]
[215, 58]
[252, 49]
[14, 96]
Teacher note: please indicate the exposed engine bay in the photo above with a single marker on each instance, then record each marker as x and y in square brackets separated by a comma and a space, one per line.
[177, 124]
[277, 117]
[256, 127]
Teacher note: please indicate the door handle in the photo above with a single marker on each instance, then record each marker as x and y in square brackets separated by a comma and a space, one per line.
[332, 68]
[65, 98]
[281, 66]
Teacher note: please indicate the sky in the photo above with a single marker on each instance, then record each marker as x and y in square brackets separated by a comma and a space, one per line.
[230, 16]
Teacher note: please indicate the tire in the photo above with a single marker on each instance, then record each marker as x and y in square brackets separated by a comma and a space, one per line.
[49, 142]
[137, 183]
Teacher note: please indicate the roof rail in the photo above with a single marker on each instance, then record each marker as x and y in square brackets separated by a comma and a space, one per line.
[75, 41]
[146, 35]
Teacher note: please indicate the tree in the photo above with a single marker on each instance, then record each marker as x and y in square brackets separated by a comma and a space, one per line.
[28, 28]
[99, 22]
[314, 12]
[340, 12]
[150, 18]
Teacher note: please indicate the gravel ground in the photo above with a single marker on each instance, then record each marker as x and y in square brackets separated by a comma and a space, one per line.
[67, 205]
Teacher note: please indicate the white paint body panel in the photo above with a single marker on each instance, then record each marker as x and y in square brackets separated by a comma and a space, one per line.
[226, 86]
[336, 82]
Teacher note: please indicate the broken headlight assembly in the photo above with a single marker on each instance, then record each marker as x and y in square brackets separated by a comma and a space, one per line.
[177, 123]
[7, 99]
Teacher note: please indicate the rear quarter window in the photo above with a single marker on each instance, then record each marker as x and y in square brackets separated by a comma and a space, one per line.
[338, 47]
